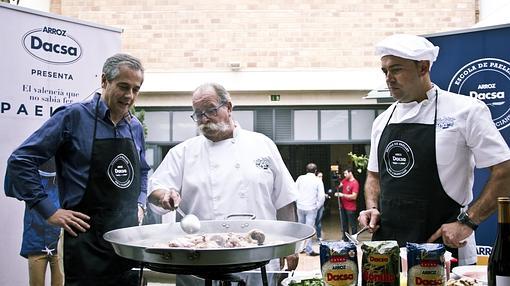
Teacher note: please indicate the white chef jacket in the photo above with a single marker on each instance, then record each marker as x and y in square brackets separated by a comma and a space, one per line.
[310, 192]
[243, 174]
[465, 137]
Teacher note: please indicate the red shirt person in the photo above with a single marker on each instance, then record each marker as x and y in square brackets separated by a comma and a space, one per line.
[347, 202]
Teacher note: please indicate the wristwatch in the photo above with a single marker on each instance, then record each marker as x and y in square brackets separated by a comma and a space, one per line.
[464, 218]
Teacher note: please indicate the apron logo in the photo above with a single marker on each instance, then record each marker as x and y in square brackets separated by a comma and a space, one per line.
[399, 158]
[120, 171]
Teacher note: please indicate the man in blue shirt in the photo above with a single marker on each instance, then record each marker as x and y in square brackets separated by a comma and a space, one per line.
[99, 149]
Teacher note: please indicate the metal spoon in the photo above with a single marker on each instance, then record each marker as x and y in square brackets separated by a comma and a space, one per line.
[189, 223]
[354, 238]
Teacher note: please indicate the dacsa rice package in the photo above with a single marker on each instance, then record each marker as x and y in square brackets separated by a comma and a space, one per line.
[339, 263]
[425, 264]
[380, 263]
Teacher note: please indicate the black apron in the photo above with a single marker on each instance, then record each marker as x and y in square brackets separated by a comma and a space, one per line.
[111, 202]
[413, 203]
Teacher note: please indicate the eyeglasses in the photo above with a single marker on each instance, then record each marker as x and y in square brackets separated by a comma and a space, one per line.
[196, 116]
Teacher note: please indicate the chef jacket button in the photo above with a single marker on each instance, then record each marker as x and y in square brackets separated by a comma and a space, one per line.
[233, 141]
[238, 165]
[215, 198]
[242, 195]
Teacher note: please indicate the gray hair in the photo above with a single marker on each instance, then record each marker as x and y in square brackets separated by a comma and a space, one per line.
[220, 91]
[112, 64]
[311, 168]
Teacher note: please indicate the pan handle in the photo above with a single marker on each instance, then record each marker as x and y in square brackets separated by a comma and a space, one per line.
[241, 215]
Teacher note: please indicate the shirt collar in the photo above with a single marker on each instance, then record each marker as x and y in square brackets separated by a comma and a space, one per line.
[236, 131]
[103, 111]
[408, 110]
[431, 93]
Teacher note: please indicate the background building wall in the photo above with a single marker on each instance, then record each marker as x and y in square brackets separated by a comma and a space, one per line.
[265, 34]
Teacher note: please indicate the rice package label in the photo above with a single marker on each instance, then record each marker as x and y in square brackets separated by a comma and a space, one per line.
[425, 264]
[380, 263]
[339, 263]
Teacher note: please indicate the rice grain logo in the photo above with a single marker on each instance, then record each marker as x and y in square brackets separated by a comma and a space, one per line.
[487, 79]
[52, 45]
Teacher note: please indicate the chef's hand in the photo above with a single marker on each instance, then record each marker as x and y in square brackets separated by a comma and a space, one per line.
[454, 234]
[370, 218]
[292, 262]
[70, 221]
[167, 199]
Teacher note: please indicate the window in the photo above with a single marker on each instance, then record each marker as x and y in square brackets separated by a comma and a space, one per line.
[183, 127]
[334, 125]
[245, 118]
[284, 125]
[361, 123]
[305, 125]
[158, 123]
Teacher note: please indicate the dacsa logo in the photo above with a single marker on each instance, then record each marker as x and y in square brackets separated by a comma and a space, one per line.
[378, 259]
[52, 45]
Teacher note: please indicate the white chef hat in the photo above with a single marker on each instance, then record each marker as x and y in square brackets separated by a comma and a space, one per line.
[408, 47]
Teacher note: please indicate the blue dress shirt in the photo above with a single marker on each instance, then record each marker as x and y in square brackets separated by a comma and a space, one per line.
[68, 135]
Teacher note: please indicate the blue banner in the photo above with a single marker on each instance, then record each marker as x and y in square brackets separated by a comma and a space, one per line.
[476, 63]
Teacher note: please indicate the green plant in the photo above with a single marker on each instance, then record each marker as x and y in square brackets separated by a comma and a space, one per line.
[141, 116]
[360, 161]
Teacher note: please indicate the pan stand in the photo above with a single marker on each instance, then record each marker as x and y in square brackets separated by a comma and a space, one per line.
[209, 276]
[140, 275]
[226, 279]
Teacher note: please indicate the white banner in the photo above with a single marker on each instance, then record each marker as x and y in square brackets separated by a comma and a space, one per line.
[47, 61]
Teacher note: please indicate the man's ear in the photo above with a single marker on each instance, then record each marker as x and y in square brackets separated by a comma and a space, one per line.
[103, 81]
[424, 67]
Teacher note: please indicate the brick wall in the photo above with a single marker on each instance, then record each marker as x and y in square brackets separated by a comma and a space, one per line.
[265, 34]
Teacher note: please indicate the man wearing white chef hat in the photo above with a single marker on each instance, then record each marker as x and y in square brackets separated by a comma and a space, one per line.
[424, 148]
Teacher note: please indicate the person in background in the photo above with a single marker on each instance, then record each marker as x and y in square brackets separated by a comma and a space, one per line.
[40, 239]
[310, 199]
[320, 211]
[347, 199]
[99, 150]
[424, 149]
[225, 170]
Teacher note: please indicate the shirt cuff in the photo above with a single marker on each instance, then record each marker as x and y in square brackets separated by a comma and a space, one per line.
[158, 210]
[45, 208]
[142, 198]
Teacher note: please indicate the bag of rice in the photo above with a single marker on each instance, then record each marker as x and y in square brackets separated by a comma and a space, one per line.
[339, 263]
[425, 264]
[380, 263]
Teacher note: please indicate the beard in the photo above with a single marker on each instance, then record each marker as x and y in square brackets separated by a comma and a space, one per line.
[212, 128]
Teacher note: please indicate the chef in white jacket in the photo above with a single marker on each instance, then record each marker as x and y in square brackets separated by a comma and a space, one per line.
[225, 170]
[424, 149]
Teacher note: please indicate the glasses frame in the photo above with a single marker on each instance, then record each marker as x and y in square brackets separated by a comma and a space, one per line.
[212, 112]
